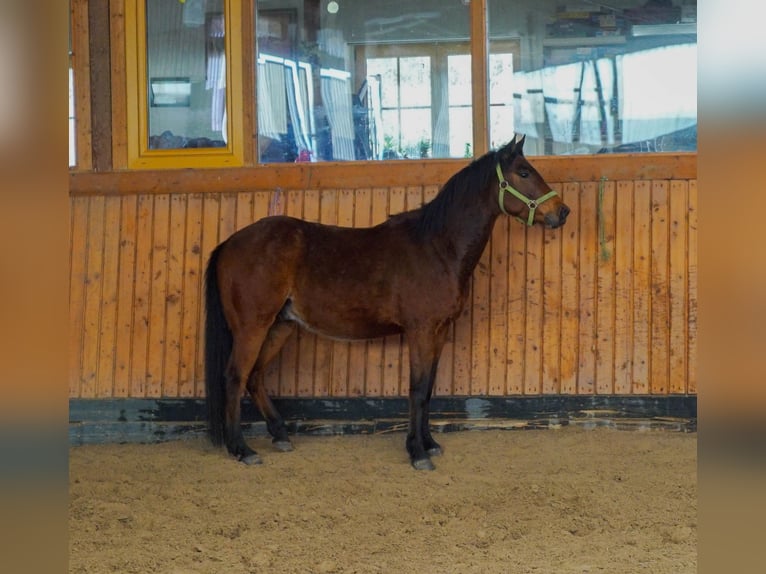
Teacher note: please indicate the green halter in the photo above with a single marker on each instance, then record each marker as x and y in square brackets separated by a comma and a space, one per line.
[532, 204]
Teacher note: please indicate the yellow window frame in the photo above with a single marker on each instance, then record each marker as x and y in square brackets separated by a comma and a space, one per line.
[139, 154]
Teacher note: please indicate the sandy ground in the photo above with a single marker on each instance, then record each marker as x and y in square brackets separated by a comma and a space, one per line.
[542, 501]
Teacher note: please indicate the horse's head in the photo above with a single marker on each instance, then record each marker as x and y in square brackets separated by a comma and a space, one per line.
[522, 192]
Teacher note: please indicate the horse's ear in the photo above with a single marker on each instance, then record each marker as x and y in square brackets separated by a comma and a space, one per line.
[520, 144]
[506, 152]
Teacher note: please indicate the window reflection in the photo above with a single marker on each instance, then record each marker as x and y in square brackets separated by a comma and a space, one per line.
[186, 74]
[381, 80]
[599, 78]
[361, 80]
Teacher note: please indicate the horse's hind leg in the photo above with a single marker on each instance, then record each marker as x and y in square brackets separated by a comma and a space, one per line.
[243, 358]
[275, 339]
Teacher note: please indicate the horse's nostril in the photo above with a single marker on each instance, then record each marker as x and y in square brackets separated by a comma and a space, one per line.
[563, 212]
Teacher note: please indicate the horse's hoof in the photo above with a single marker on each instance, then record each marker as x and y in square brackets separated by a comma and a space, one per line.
[423, 464]
[283, 445]
[251, 459]
[435, 451]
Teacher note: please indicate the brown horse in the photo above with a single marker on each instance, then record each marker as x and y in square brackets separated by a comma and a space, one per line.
[410, 275]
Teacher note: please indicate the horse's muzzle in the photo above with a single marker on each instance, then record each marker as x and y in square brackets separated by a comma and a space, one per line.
[558, 218]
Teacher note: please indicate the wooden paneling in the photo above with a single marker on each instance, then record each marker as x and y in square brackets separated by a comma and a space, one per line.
[605, 305]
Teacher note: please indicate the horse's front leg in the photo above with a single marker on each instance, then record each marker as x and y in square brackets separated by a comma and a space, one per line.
[424, 359]
[432, 447]
[416, 446]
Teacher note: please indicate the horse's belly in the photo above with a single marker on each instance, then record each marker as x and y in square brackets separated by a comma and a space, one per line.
[343, 324]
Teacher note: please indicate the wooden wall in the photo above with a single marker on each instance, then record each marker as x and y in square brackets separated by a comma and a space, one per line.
[605, 305]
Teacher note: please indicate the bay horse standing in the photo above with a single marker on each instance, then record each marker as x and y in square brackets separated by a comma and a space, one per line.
[410, 274]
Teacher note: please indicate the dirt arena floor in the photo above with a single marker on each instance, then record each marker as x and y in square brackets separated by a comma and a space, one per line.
[538, 501]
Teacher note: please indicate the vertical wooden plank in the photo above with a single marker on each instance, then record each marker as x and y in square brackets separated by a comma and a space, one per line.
[691, 360]
[143, 278]
[429, 193]
[480, 326]
[227, 218]
[125, 300]
[248, 89]
[357, 355]
[479, 81]
[288, 357]
[659, 286]
[306, 340]
[157, 305]
[551, 328]
[605, 297]
[340, 368]
[414, 197]
[375, 349]
[461, 362]
[517, 307]
[586, 377]
[324, 348]
[118, 83]
[81, 68]
[678, 291]
[108, 327]
[623, 289]
[191, 334]
[175, 296]
[211, 204]
[642, 256]
[93, 285]
[534, 312]
[100, 85]
[444, 372]
[245, 204]
[268, 204]
[570, 301]
[261, 202]
[392, 346]
[498, 307]
[78, 260]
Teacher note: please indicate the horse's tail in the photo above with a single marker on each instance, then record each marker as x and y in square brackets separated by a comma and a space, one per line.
[218, 345]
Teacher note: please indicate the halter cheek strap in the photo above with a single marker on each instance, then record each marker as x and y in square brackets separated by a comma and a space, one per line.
[532, 204]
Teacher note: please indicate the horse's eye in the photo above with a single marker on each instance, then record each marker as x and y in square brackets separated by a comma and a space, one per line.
[524, 173]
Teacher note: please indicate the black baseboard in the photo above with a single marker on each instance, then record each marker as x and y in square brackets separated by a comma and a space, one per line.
[157, 420]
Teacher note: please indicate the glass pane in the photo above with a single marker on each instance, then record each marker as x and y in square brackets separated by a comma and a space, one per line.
[186, 74]
[386, 70]
[72, 125]
[459, 73]
[594, 78]
[461, 135]
[415, 81]
[376, 82]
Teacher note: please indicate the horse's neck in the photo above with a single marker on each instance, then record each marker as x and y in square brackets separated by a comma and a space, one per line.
[466, 236]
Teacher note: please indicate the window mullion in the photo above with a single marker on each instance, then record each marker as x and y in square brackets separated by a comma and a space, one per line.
[479, 77]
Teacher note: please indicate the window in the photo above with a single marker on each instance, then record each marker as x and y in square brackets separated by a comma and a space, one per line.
[600, 78]
[335, 80]
[185, 60]
[344, 80]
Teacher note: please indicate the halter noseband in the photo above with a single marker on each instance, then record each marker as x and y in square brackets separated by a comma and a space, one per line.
[532, 204]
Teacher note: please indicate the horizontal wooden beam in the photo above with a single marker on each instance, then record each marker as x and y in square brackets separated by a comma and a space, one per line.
[334, 175]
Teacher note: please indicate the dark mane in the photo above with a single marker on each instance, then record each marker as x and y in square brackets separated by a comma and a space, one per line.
[458, 192]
